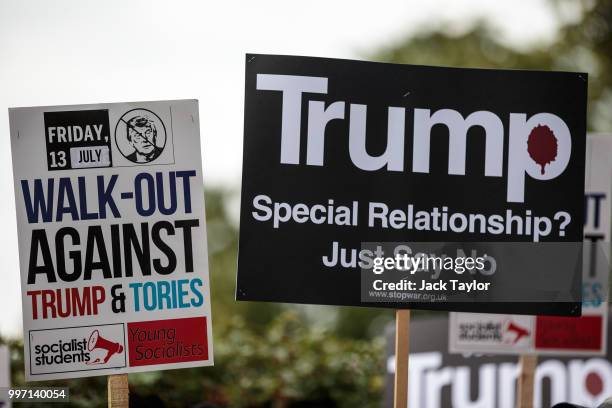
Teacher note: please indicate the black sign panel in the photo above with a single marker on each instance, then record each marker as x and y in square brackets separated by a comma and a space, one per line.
[77, 139]
[338, 153]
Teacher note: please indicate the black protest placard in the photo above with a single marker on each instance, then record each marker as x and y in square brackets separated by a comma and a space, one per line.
[339, 153]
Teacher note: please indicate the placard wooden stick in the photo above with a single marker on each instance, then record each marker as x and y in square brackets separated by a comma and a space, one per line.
[526, 380]
[402, 349]
[118, 391]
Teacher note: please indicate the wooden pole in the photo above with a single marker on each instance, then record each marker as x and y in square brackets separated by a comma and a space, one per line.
[526, 380]
[402, 348]
[118, 391]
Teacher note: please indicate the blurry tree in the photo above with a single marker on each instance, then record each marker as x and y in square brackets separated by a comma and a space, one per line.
[223, 255]
[583, 43]
[586, 44]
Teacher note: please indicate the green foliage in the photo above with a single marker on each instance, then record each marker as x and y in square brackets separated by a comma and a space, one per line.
[294, 362]
[222, 255]
[476, 48]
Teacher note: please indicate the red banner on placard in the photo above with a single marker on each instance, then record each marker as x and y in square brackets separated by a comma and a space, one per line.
[576, 333]
[167, 341]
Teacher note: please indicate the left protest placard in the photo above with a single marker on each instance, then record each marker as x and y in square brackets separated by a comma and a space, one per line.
[112, 238]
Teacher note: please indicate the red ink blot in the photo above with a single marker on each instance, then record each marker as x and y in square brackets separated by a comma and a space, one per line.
[594, 384]
[542, 145]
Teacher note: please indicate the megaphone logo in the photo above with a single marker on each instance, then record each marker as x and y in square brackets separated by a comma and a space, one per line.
[98, 342]
[517, 332]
